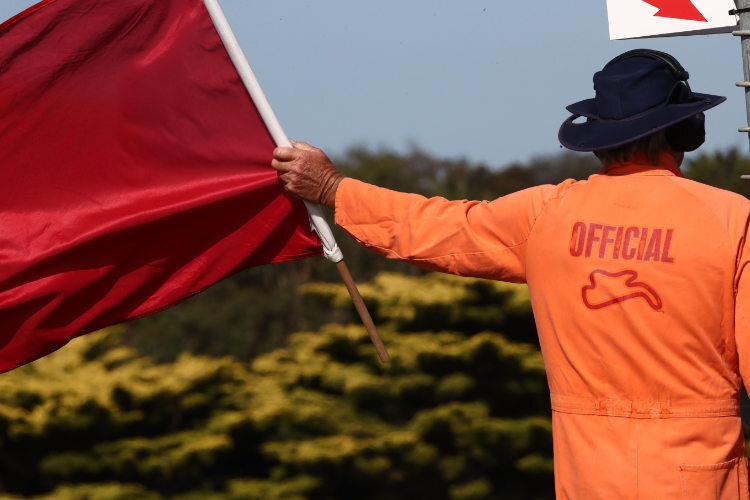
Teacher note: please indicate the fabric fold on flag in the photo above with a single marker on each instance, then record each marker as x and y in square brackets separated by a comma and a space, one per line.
[134, 169]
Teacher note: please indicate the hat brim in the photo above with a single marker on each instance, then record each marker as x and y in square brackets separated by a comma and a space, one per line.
[596, 134]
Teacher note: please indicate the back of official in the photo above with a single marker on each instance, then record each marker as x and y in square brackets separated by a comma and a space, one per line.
[632, 278]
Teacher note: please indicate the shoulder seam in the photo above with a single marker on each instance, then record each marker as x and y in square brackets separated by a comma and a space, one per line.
[556, 196]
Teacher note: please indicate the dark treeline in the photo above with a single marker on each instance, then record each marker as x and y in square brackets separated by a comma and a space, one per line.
[257, 309]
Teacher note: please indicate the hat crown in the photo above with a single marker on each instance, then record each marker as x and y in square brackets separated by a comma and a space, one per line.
[632, 86]
[638, 93]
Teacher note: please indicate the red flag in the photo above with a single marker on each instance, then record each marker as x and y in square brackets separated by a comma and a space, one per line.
[134, 169]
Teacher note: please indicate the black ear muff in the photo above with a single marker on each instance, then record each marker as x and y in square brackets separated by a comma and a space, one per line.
[687, 135]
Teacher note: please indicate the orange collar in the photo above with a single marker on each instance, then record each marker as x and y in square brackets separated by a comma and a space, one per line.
[641, 164]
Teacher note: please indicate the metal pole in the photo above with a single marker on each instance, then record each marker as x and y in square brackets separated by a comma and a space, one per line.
[744, 33]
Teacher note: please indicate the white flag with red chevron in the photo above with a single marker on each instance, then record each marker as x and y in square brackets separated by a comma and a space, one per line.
[649, 18]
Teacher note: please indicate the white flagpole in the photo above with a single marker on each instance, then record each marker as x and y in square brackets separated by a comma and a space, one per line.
[319, 224]
[317, 220]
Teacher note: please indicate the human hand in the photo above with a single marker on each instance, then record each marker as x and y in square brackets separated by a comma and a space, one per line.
[306, 171]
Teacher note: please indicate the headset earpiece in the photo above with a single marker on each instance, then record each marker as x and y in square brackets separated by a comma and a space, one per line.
[687, 135]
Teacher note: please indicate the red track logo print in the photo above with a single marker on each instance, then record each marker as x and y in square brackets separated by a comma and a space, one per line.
[606, 289]
[677, 9]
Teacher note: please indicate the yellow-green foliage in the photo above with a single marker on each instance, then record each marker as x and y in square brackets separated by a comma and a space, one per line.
[439, 302]
[453, 416]
[111, 491]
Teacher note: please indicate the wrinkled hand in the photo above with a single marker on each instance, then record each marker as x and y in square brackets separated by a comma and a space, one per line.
[307, 172]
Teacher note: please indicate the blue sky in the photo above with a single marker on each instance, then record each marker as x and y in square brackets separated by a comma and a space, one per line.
[483, 80]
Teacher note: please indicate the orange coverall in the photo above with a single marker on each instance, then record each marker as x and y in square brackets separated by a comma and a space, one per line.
[639, 285]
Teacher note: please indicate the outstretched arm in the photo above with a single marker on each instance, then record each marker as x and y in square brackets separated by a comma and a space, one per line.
[485, 239]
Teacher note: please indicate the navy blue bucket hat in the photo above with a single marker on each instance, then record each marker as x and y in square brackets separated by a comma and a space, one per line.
[637, 93]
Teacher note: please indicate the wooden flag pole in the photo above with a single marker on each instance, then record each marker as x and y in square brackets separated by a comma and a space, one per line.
[319, 224]
[364, 314]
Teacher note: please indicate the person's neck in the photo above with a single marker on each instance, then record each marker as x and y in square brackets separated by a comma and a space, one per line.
[642, 161]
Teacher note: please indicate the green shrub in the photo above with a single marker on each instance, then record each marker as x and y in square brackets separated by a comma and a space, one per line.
[455, 415]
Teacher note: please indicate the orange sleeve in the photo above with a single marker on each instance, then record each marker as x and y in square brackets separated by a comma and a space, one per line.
[469, 238]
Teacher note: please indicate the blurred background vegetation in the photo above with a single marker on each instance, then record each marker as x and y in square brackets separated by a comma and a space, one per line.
[266, 387]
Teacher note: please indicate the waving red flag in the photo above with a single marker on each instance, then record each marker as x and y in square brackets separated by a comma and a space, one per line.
[134, 169]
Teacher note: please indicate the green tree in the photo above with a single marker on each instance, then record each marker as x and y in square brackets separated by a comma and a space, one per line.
[455, 415]
[721, 169]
